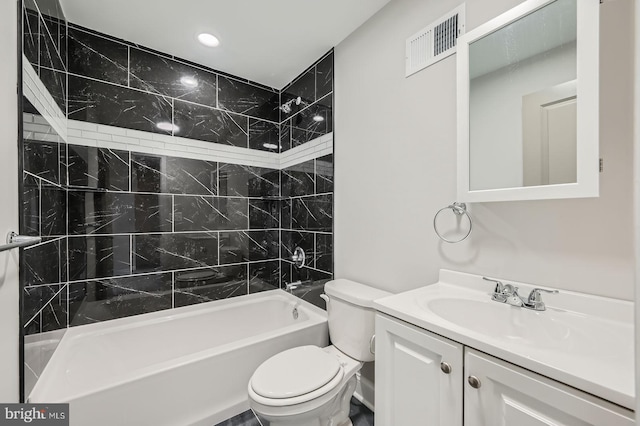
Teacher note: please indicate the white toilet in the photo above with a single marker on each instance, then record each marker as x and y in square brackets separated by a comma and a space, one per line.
[312, 386]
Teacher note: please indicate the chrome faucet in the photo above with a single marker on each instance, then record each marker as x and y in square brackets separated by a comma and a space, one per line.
[507, 293]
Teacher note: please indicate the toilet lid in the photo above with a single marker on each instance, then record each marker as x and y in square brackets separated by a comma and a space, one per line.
[294, 372]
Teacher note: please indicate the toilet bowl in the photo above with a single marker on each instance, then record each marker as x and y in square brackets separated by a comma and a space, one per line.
[313, 386]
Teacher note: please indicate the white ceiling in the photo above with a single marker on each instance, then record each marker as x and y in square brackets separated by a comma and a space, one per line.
[267, 41]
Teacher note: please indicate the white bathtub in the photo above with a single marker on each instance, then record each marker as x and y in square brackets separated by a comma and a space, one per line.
[187, 366]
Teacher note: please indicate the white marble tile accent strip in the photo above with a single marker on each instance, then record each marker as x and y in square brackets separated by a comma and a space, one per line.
[36, 92]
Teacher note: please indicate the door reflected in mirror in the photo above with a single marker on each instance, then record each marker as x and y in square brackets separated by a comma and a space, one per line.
[523, 101]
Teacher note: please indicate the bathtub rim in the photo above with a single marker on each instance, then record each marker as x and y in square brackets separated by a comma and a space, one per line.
[316, 317]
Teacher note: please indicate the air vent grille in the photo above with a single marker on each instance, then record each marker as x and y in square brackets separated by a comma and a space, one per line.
[434, 42]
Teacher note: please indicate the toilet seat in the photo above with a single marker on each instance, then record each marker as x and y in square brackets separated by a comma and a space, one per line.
[295, 376]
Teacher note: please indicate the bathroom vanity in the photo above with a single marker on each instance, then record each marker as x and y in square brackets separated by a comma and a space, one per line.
[447, 354]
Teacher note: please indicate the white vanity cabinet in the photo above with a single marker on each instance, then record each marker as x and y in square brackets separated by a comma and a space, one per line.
[419, 376]
[413, 388]
[497, 393]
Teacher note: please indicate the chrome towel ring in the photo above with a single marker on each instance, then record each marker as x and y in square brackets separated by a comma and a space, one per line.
[458, 209]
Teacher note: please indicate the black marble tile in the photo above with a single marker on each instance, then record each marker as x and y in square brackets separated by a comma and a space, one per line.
[247, 181]
[210, 125]
[56, 84]
[149, 173]
[292, 239]
[324, 252]
[313, 122]
[199, 213]
[49, 55]
[152, 213]
[264, 276]
[99, 257]
[55, 28]
[115, 213]
[285, 214]
[264, 136]
[53, 211]
[244, 419]
[359, 414]
[304, 87]
[98, 168]
[31, 36]
[207, 284]
[324, 174]
[245, 98]
[285, 136]
[313, 213]
[97, 57]
[158, 74]
[263, 245]
[234, 247]
[101, 300]
[42, 159]
[45, 308]
[264, 214]
[30, 224]
[43, 263]
[165, 252]
[299, 180]
[324, 76]
[173, 175]
[103, 103]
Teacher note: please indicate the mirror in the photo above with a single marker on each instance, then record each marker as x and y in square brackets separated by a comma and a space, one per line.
[528, 104]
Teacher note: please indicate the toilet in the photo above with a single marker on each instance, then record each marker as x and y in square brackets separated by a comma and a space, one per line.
[312, 386]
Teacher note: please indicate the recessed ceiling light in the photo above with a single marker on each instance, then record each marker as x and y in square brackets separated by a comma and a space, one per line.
[270, 145]
[189, 81]
[167, 127]
[318, 118]
[208, 40]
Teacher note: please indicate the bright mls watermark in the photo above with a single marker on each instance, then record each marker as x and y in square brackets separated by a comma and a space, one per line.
[34, 414]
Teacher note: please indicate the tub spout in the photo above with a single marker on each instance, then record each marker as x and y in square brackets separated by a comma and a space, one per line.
[293, 286]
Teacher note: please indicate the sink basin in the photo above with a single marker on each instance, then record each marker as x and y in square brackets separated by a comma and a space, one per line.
[517, 325]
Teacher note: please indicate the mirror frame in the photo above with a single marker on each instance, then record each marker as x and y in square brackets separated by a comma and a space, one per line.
[588, 162]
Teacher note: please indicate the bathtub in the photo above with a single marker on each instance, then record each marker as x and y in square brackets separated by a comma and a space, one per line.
[186, 366]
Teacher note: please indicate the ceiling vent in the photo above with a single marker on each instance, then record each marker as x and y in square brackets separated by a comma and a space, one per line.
[435, 42]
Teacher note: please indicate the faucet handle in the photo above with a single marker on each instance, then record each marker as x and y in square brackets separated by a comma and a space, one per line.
[535, 297]
[499, 285]
[534, 301]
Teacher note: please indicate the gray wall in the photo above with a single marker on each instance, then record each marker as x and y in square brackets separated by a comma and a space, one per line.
[395, 167]
[9, 289]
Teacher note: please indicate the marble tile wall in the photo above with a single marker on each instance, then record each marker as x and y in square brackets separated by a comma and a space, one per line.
[307, 187]
[118, 83]
[127, 233]
[45, 45]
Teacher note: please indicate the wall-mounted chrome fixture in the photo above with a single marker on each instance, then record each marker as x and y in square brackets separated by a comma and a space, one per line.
[507, 293]
[15, 241]
[298, 257]
[458, 209]
[286, 107]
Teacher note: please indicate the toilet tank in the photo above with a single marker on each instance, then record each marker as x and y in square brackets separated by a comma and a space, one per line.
[352, 317]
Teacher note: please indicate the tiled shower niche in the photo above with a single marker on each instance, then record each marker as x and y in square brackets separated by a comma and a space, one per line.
[126, 232]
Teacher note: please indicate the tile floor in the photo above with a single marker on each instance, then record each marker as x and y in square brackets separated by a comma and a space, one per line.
[359, 414]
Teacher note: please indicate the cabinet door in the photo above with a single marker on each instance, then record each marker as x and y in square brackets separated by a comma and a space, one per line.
[411, 387]
[511, 396]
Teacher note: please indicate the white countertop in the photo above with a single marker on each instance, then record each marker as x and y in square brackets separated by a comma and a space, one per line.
[581, 340]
